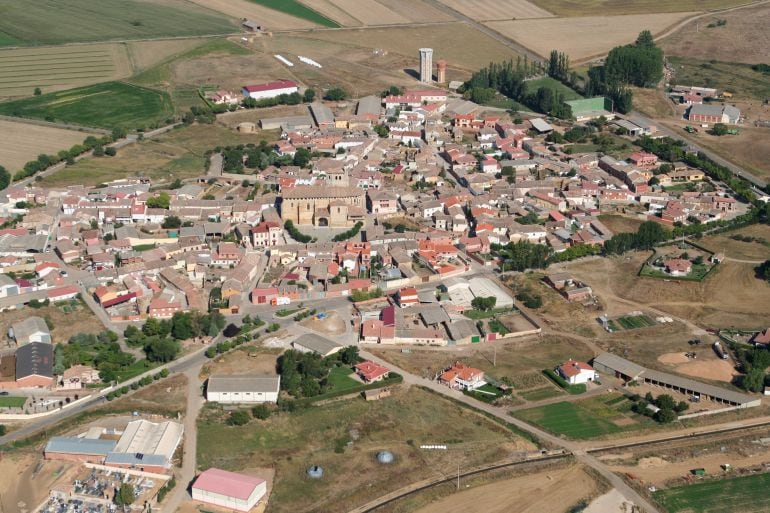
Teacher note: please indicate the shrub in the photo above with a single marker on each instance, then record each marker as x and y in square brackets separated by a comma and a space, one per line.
[261, 412]
[238, 418]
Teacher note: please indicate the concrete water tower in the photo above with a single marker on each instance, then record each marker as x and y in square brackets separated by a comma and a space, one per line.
[441, 71]
[426, 65]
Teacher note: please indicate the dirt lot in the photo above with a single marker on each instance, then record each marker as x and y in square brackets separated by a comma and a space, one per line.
[487, 10]
[653, 102]
[273, 20]
[554, 491]
[161, 398]
[744, 38]
[34, 477]
[620, 224]
[22, 142]
[738, 249]
[331, 325]
[582, 38]
[65, 324]
[244, 360]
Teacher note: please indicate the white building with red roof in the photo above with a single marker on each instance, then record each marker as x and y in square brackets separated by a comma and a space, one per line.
[270, 89]
[371, 372]
[228, 490]
[462, 377]
[575, 372]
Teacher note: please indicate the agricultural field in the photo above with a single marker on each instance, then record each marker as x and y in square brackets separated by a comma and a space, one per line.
[298, 10]
[146, 54]
[746, 494]
[583, 38]
[22, 142]
[743, 82]
[555, 86]
[271, 18]
[754, 249]
[344, 437]
[64, 67]
[488, 10]
[616, 7]
[354, 13]
[744, 37]
[105, 105]
[589, 418]
[630, 322]
[52, 22]
[176, 154]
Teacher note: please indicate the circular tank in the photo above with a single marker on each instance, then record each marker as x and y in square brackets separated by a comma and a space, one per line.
[315, 472]
[385, 457]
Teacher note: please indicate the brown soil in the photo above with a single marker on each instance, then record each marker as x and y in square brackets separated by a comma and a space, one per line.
[717, 370]
[673, 358]
[22, 142]
[244, 360]
[485, 10]
[331, 325]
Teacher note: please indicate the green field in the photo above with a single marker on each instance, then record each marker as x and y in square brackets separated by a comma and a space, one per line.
[339, 378]
[739, 79]
[746, 494]
[105, 105]
[610, 7]
[555, 85]
[583, 419]
[539, 394]
[698, 273]
[634, 322]
[54, 22]
[12, 402]
[294, 8]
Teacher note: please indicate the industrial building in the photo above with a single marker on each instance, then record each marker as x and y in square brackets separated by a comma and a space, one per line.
[426, 65]
[316, 344]
[269, 89]
[228, 490]
[243, 389]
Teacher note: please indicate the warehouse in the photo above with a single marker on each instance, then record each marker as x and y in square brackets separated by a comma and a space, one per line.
[229, 490]
[243, 389]
[270, 89]
[78, 449]
[316, 344]
[484, 287]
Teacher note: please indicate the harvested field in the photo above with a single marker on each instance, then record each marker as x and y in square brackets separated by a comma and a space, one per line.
[488, 10]
[756, 250]
[554, 491]
[611, 7]
[620, 224]
[299, 10]
[272, 19]
[22, 142]
[583, 38]
[744, 38]
[55, 22]
[418, 10]
[291, 442]
[145, 54]
[64, 67]
[331, 11]
[370, 12]
[442, 38]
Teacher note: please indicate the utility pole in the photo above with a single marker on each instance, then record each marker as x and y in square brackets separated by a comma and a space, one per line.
[458, 477]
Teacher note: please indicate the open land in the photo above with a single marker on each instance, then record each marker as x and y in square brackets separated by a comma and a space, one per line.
[610, 7]
[738, 249]
[272, 19]
[744, 38]
[620, 224]
[705, 366]
[745, 493]
[556, 86]
[165, 397]
[244, 360]
[586, 37]
[653, 102]
[145, 54]
[370, 12]
[105, 105]
[739, 79]
[55, 22]
[68, 318]
[298, 10]
[63, 67]
[293, 442]
[22, 142]
[487, 10]
[379, 12]
[556, 491]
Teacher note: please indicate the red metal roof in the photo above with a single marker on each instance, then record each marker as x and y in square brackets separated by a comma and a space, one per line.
[270, 86]
[227, 483]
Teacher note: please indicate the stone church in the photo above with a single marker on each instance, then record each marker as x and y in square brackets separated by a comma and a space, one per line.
[318, 205]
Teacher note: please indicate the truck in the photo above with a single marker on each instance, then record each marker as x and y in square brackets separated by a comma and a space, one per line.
[720, 351]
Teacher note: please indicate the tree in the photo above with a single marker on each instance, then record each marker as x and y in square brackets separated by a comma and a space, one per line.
[719, 129]
[763, 270]
[125, 496]
[5, 178]
[484, 303]
[309, 96]
[665, 402]
[302, 157]
[336, 94]
[261, 412]
[37, 91]
[238, 418]
[110, 151]
[171, 222]
[349, 355]
[665, 416]
[382, 130]
[161, 350]
[162, 200]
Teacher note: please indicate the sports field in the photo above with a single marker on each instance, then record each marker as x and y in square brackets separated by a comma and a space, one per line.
[610, 7]
[746, 494]
[57, 68]
[589, 418]
[486, 10]
[22, 142]
[104, 105]
[65, 21]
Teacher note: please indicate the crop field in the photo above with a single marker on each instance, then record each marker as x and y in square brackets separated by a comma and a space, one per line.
[355, 13]
[56, 21]
[585, 419]
[104, 105]
[270, 18]
[586, 37]
[298, 10]
[612, 7]
[330, 10]
[54, 69]
[554, 85]
[487, 10]
[344, 437]
[632, 322]
[744, 37]
[22, 142]
[746, 494]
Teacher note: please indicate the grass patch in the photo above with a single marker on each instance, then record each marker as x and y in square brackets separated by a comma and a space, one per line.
[555, 86]
[53, 22]
[143, 247]
[498, 327]
[12, 402]
[133, 370]
[735, 77]
[294, 8]
[106, 105]
[539, 394]
[698, 273]
[480, 314]
[745, 494]
[339, 378]
[286, 312]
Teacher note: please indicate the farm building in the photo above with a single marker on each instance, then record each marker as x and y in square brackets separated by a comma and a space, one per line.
[228, 490]
[31, 329]
[91, 450]
[727, 114]
[575, 372]
[484, 287]
[270, 89]
[322, 115]
[287, 123]
[243, 389]
[316, 344]
[608, 363]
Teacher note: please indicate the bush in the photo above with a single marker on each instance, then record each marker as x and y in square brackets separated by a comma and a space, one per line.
[556, 378]
[238, 418]
[261, 412]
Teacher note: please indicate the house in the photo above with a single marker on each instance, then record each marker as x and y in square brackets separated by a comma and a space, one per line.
[31, 329]
[243, 389]
[77, 376]
[228, 490]
[643, 159]
[371, 372]
[677, 266]
[575, 372]
[462, 377]
[269, 89]
[163, 309]
[407, 296]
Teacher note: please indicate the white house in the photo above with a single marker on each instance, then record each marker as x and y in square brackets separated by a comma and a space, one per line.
[576, 372]
[243, 389]
[31, 329]
[270, 89]
[228, 490]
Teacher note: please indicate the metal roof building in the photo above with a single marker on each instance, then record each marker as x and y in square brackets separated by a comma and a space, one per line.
[311, 343]
[145, 437]
[243, 388]
[322, 114]
[369, 105]
[228, 489]
[34, 359]
[63, 445]
[31, 329]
